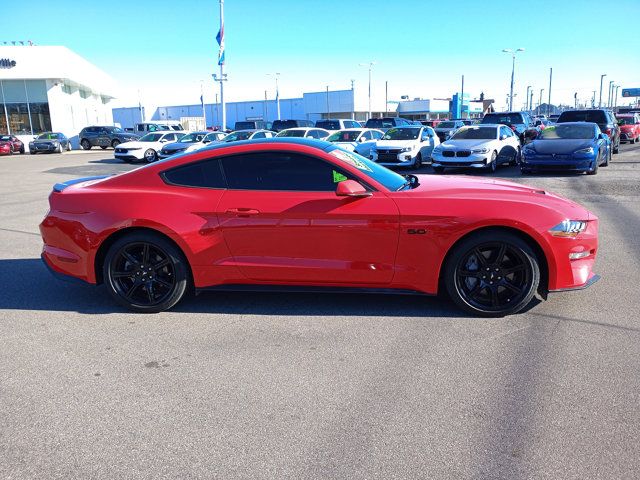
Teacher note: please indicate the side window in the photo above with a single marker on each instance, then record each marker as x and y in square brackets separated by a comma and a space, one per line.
[281, 171]
[424, 135]
[259, 135]
[207, 174]
[367, 136]
[312, 133]
[376, 135]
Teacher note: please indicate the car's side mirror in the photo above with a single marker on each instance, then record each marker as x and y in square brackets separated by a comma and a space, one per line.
[206, 141]
[601, 136]
[351, 188]
[503, 137]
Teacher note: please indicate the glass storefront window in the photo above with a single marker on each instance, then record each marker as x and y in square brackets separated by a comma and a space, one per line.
[40, 117]
[19, 118]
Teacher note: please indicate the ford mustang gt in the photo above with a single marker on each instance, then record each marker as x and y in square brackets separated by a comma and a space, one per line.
[301, 214]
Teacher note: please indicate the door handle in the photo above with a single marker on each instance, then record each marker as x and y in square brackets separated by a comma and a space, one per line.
[243, 212]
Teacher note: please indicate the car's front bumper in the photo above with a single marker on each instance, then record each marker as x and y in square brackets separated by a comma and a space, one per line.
[554, 163]
[129, 154]
[474, 160]
[399, 159]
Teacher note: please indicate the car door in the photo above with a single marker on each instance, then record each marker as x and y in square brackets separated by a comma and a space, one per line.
[101, 137]
[427, 142]
[283, 222]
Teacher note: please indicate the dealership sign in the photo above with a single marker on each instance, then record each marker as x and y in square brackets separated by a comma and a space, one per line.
[7, 63]
[631, 92]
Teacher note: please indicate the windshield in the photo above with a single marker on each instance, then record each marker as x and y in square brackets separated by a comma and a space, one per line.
[594, 116]
[561, 131]
[447, 125]
[291, 133]
[345, 136]
[402, 134]
[475, 133]
[328, 124]
[235, 136]
[627, 121]
[48, 136]
[380, 174]
[151, 137]
[379, 123]
[192, 138]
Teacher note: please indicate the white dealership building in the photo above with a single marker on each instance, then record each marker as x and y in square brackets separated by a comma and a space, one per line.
[50, 88]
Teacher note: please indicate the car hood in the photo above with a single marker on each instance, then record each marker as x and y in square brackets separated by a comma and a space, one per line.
[480, 188]
[175, 146]
[464, 144]
[627, 128]
[45, 141]
[395, 143]
[137, 144]
[548, 147]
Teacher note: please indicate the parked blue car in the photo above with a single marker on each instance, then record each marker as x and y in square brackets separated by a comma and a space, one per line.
[572, 147]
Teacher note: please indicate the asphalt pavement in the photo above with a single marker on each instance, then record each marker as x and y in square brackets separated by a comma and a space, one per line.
[256, 385]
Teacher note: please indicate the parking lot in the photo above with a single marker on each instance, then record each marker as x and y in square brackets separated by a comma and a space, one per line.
[256, 385]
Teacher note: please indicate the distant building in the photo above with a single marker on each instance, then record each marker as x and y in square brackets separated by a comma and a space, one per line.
[50, 88]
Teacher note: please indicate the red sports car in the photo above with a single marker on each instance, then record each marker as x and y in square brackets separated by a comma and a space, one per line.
[5, 148]
[306, 215]
[15, 142]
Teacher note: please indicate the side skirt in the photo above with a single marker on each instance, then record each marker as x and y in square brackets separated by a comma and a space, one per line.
[306, 289]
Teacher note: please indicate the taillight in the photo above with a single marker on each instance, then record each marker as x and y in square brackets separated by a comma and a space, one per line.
[608, 131]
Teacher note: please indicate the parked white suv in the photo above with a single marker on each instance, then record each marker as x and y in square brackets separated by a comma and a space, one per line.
[337, 124]
[478, 146]
[147, 147]
[405, 146]
[351, 138]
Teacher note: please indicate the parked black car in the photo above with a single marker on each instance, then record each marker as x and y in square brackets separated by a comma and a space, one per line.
[253, 125]
[104, 137]
[386, 123]
[279, 125]
[520, 122]
[605, 119]
[50, 142]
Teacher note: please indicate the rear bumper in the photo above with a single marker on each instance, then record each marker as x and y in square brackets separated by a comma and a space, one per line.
[65, 277]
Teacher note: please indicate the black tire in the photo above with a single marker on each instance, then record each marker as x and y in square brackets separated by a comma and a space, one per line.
[115, 143]
[145, 272]
[418, 164]
[516, 158]
[594, 171]
[616, 147]
[59, 148]
[103, 147]
[150, 155]
[505, 268]
[85, 144]
[438, 169]
[606, 162]
[493, 164]
[22, 149]
[68, 146]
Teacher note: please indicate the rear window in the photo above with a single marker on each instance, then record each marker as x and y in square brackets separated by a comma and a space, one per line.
[282, 124]
[503, 118]
[245, 125]
[328, 124]
[594, 116]
[379, 123]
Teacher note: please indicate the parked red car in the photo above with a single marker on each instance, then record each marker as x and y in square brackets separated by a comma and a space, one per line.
[302, 214]
[16, 143]
[629, 127]
[5, 148]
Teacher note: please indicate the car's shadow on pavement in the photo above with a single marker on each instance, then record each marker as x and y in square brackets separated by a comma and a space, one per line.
[27, 285]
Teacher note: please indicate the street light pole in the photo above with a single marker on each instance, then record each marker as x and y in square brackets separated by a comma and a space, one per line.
[513, 69]
[370, 65]
[526, 99]
[610, 91]
[615, 105]
[600, 100]
[549, 102]
[540, 101]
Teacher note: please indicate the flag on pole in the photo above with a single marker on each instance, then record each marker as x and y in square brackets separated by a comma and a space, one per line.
[201, 101]
[220, 39]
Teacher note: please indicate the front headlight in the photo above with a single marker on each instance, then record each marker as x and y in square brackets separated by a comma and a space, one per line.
[584, 151]
[407, 149]
[568, 228]
[480, 150]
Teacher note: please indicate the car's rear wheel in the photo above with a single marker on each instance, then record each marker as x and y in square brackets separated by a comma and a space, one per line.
[616, 147]
[85, 144]
[492, 274]
[608, 159]
[150, 155]
[145, 272]
[516, 157]
[115, 143]
[104, 147]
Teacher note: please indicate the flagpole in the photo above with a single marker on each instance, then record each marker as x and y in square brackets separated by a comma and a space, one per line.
[224, 110]
[204, 113]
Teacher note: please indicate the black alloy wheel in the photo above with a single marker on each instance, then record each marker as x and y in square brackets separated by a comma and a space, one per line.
[22, 149]
[145, 272]
[492, 274]
[85, 144]
[115, 143]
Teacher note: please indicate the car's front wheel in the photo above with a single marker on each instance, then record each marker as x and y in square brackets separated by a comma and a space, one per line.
[492, 274]
[145, 272]
[150, 155]
[493, 163]
[115, 143]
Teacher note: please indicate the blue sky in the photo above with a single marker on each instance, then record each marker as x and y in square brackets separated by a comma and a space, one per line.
[164, 49]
